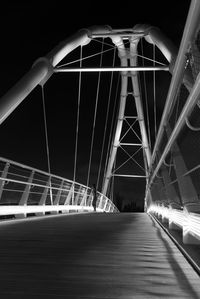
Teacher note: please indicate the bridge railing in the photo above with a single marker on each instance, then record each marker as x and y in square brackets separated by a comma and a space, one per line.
[26, 191]
[177, 219]
[173, 190]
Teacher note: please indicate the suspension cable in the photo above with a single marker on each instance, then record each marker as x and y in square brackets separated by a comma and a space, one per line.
[77, 119]
[47, 143]
[106, 122]
[176, 117]
[154, 92]
[96, 54]
[152, 60]
[145, 95]
[94, 120]
[111, 127]
[112, 184]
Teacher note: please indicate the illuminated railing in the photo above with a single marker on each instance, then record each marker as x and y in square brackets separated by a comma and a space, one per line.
[25, 191]
[189, 223]
[173, 189]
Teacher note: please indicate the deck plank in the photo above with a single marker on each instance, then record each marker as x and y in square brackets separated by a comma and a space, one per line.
[92, 256]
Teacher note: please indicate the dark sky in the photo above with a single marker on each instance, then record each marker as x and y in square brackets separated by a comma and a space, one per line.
[29, 31]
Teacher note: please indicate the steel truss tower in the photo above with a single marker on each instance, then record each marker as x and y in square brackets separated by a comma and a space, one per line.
[128, 57]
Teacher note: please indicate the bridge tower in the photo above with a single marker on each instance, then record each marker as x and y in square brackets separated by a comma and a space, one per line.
[135, 123]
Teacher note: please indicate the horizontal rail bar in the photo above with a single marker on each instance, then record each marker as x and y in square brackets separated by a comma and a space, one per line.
[112, 69]
[130, 175]
[35, 185]
[179, 68]
[192, 99]
[121, 34]
[38, 171]
[133, 144]
[129, 116]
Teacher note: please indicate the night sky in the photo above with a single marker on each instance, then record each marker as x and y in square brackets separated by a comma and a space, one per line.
[30, 31]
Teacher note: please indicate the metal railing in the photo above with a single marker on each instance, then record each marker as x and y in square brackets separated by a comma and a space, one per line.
[26, 191]
[173, 187]
[188, 223]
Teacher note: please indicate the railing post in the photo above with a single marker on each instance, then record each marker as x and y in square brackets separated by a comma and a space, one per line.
[4, 175]
[84, 198]
[58, 195]
[77, 196]
[44, 197]
[25, 195]
[57, 199]
[69, 195]
[105, 205]
[188, 193]
[90, 199]
[174, 201]
[100, 201]
[188, 237]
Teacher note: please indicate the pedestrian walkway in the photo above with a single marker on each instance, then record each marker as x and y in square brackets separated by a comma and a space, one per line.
[89, 256]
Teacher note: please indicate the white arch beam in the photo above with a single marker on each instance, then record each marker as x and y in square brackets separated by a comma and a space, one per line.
[43, 69]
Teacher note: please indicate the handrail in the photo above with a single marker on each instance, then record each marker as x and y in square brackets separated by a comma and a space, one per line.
[192, 99]
[179, 69]
[67, 194]
[189, 223]
[36, 170]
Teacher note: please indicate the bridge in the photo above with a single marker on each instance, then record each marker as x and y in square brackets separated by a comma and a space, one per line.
[145, 95]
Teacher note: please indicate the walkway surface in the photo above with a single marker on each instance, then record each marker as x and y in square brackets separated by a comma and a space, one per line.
[92, 256]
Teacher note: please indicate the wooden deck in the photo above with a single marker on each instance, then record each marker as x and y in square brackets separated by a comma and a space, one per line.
[92, 256]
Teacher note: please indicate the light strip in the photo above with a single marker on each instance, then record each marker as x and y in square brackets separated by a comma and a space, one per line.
[117, 33]
[189, 222]
[14, 210]
[130, 175]
[111, 69]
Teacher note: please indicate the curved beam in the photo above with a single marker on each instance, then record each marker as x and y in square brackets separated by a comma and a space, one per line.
[191, 127]
[43, 69]
[153, 35]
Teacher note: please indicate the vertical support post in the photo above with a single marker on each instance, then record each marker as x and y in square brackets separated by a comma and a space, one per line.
[148, 199]
[77, 196]
[84, 194]
[58, 195]
[44, 197]
[174, 201]
[57, 199]
[188, 193]
[100, 202]
[164, 200]
[73, 193]
[25, 195]
[4, 175]
[90, 199]
[105, 206]
[69, 195]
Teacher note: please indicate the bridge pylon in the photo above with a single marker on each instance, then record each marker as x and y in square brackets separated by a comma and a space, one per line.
[130, 91]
